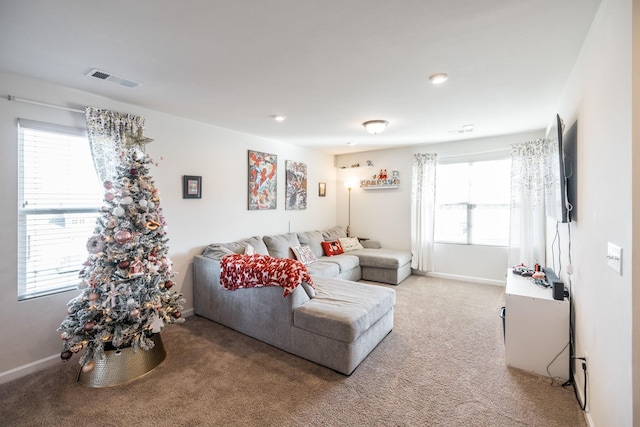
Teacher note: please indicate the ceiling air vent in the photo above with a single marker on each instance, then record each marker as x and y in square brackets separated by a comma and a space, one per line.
[111, 78]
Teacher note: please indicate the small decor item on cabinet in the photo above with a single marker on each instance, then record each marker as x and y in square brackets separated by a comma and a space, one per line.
[191, 187]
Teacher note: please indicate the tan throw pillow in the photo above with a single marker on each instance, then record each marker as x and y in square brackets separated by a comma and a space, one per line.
[304, 254]
[350, 243]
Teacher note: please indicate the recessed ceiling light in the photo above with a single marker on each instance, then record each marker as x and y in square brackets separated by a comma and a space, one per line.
[351, 143]
[278, 118]
[439, 78]
[464, 129]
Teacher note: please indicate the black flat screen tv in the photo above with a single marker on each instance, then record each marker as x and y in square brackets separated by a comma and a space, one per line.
[561, 197]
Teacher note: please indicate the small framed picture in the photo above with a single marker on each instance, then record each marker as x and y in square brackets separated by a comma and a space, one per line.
[322, 189]
[191, 187]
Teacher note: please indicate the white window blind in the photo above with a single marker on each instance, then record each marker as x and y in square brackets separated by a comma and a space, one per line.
[473, 203]
[59, 196]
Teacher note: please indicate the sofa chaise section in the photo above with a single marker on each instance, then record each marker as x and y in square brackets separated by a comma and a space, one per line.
[337, 323]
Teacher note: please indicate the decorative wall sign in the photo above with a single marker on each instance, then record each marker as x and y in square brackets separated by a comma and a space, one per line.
[191, 187]
[263, 181]
[322, 189]
[296, 198]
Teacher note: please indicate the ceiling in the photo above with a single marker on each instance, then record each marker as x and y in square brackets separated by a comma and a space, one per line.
[326, 65]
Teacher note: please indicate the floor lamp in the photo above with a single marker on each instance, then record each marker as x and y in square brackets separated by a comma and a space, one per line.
[349, 186]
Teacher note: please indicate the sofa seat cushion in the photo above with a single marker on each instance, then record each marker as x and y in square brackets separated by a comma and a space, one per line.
[325, 269]
[345, 262]
[382, 258]
[342, 310]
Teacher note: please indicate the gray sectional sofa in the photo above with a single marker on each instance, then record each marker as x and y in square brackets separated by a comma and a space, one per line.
[336, 322]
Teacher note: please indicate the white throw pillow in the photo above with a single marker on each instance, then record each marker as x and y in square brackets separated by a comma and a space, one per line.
[304, 254]
[350, 243]
[249, 250]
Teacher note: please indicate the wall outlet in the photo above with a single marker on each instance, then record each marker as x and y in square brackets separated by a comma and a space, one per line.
[586, 359]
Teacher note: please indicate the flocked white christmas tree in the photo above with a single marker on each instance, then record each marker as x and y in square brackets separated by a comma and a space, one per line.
[126, 281]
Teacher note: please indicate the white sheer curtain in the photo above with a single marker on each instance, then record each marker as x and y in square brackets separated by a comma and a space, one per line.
[532, 175]
[108, 133]
[423, 200]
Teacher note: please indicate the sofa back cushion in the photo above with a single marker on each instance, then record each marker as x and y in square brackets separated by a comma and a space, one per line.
[218, 250]
[314, 240]
[333, 233]
[279, 246]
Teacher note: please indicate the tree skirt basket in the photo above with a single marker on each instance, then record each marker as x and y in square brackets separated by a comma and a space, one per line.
[123, 365]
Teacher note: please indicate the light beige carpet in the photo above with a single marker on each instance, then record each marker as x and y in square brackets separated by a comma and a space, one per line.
[442, 365]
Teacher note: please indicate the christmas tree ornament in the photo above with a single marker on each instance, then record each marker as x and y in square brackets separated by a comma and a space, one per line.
[89, 326]
[109, 197]
[123, 265]
[88, 367]
[66, 355]
[108, 185]
[93, 296]
[142, 203]
[127, 200]
[95, 244]
[118, 211]
[123, 236]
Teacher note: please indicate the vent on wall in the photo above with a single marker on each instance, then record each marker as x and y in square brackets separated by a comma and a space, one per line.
[102, 75]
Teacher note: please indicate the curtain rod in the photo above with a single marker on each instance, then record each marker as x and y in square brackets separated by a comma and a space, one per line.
[478, 153]
[57, 107]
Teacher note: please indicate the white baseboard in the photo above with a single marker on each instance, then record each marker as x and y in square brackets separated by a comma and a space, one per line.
[38, 365]
[465, 278]
[29, 368]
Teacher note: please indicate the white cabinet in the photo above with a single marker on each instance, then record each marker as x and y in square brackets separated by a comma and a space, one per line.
[536, 328]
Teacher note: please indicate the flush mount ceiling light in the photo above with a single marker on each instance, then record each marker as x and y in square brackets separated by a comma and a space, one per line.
[439, 78]
[279, 118]
[375, 126]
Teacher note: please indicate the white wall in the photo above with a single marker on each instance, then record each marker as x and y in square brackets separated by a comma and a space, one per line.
[186, 147]
[598, 96]
[385, 215]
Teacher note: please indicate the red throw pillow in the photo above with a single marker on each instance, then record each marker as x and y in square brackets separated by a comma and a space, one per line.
[332, 248]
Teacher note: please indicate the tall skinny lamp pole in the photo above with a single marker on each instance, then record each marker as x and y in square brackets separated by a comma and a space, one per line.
[349, 185]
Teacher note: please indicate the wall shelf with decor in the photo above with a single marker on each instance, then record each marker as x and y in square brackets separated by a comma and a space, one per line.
[378, 184]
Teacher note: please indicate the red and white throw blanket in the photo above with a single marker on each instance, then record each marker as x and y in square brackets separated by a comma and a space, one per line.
[254, 271]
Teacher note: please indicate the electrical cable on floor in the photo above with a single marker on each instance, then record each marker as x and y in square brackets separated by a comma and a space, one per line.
[553, 379]
[571, 381]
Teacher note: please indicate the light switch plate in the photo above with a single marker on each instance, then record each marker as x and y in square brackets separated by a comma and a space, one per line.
[614, 257]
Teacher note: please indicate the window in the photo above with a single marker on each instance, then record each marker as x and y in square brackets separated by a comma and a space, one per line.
[473, 203]
[58, 201]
